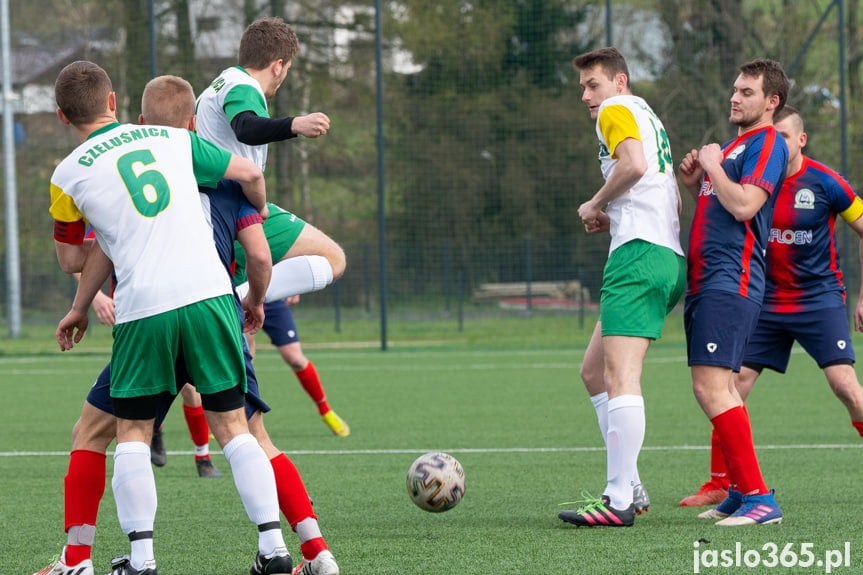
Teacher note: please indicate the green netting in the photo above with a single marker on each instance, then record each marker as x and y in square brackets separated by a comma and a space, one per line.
[488, 148]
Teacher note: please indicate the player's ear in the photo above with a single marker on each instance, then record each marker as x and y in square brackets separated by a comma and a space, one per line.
[63, 117]
[192, 123]
[141, 119]
[276, 67]
[803, 138]
[773, 102]
[112, 101]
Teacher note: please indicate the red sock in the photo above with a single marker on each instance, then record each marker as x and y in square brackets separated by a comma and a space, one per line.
[293, 497]
[732, 427]
[312, 547]
[718, 470]
[312, 384]
[84, 487]
[198, 427]
[858, 425]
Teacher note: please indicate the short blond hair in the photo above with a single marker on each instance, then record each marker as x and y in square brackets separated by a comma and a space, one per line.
[168, 101]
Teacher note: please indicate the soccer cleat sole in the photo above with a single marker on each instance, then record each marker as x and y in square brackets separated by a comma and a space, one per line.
[743, 520]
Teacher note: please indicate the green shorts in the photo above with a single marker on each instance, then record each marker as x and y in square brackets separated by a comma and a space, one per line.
[641, 283]
[282, 229]
[206, 334]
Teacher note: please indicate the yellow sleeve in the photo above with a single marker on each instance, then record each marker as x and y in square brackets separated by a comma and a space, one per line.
[854, 211]
[63, 208]
[617, 123]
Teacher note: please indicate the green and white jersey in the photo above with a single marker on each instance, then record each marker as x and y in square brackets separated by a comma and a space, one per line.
[137, 186]
[648, 211]
[234, 91]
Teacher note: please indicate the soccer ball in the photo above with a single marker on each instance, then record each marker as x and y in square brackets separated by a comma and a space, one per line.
[436, 482]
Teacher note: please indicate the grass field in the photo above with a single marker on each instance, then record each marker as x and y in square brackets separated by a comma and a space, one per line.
[505, 399]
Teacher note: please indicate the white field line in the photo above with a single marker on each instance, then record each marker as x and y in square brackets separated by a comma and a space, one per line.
[475, 450]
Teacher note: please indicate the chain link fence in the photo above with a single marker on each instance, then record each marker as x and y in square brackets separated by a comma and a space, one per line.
[488, 148]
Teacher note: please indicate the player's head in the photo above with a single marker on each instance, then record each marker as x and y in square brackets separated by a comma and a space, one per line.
[269, 44]
[759, 92]
[83, 93]
[168, 101]
[603, 73]
[789, 123]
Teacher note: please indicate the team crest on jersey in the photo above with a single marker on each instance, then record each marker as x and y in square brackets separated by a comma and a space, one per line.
[736, 152]
[804, 199]
[603, 151]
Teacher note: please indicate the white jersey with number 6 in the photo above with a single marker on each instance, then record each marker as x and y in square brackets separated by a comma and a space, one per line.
[137, 187]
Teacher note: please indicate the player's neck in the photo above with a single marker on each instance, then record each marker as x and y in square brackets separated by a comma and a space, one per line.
[794, 165]
[263, 78]
[762, 123]
[85, 130]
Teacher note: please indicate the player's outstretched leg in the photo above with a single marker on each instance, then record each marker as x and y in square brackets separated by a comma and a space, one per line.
[196, 421]
[296, 505]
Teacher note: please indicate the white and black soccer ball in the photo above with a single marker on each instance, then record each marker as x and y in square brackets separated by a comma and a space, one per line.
[435, 482]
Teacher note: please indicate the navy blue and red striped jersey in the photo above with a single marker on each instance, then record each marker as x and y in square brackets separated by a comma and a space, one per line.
[803, 272]
[724, 254]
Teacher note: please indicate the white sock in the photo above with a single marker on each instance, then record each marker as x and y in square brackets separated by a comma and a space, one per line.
[600, 404]
[295, 276]
[202, 450]
[135, 494]
[625, 437]
[307, 529]
[253, 476]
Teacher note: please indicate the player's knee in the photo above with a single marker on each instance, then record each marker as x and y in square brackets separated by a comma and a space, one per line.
[338, 261]
[849, 393]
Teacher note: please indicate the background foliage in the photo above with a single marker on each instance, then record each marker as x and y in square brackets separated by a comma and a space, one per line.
[488, 149]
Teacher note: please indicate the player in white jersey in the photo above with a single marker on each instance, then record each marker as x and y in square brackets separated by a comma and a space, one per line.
[137, 186]
[232, 113]
[643, 277]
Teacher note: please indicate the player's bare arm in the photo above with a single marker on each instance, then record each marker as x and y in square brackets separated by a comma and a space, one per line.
[251, 178]
[740, 200]
[311, 126]
[259, 267]
[96, 271]
[70, 256]
[103, 305]
[631, 166]
[857, 226]
[691, 173]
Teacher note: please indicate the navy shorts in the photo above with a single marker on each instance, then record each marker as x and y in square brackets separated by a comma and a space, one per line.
[100, 393]
[824, 334]
[718, 325]
[279, 323]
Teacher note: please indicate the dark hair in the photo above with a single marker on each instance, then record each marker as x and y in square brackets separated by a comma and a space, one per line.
[266, 41]
[168, 101]
[81, 91]
[610, 59]
[774, 82]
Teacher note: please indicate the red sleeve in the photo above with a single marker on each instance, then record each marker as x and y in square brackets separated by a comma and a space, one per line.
[69, 232]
